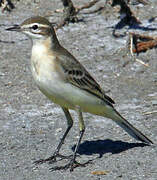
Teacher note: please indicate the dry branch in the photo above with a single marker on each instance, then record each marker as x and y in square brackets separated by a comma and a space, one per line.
[142, 43]
[87, 5]
[70, 11]
[125, 12]
[151, 112]
[145, 2]
[132, 42]
[144, 46]
[6, 5]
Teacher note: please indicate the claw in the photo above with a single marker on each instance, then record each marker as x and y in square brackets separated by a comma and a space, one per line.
[71, 165]
[52, 159]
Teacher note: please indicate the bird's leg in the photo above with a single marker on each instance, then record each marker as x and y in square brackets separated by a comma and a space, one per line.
[56, 154]
[82, 130]
[73, 163]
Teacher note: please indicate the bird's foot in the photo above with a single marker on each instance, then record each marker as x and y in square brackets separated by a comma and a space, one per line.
[53, 159]
[71, 165]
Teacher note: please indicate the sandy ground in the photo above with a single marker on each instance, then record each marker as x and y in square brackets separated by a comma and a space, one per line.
[31, 126]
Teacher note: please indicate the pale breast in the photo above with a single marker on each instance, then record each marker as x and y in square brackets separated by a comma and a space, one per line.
[42, 61]
[47, 72]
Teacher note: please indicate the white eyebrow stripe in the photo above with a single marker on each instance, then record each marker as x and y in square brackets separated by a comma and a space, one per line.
[32, 24]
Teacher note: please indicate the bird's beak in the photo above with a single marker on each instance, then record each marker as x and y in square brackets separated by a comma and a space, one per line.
[14, 28]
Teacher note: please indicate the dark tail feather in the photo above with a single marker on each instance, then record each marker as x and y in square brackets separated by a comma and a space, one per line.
[130, 129]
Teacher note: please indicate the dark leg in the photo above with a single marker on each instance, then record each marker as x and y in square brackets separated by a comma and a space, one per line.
[73, 163]
[70, 124]
[82, 130]
[56, 153]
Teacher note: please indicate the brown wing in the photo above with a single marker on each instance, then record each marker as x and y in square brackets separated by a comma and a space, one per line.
[77, 75]
[84, 80]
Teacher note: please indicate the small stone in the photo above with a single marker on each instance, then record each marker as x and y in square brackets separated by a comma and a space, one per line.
[58, 130]
[154, 102]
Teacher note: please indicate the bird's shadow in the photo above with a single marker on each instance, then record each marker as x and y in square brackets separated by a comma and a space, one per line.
[105, 146]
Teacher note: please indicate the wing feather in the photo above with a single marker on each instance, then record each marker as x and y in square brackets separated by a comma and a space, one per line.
[83, 80]
[77, 75]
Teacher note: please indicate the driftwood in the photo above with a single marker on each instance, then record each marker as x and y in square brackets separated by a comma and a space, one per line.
[145, 2]
[142, 43]
[70, 11]
[6, 5]
[131, 45]
[128, 16]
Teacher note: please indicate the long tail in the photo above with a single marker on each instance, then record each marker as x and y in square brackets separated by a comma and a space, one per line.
[130, 129]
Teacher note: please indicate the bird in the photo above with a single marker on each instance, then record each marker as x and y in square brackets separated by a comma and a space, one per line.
[66, 82]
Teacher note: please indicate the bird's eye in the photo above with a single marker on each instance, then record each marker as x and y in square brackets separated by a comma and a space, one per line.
[35, 27]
